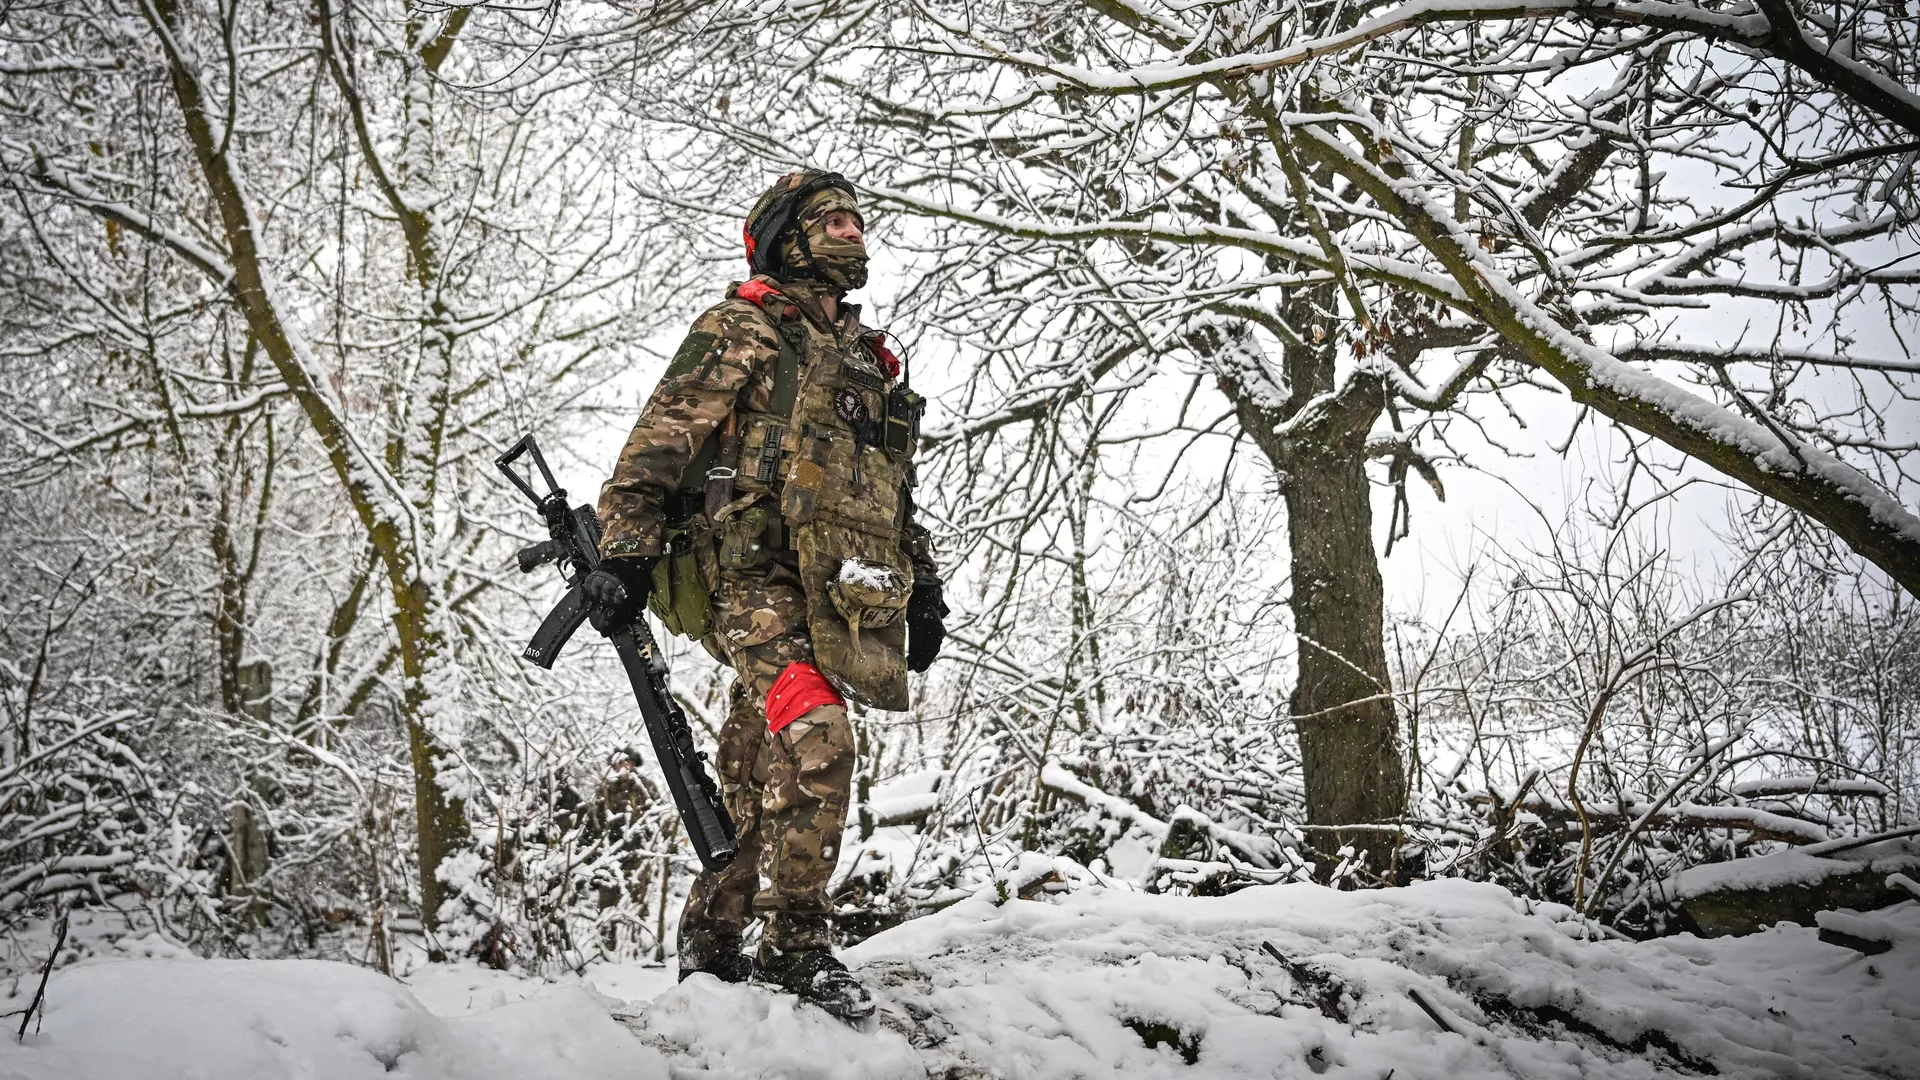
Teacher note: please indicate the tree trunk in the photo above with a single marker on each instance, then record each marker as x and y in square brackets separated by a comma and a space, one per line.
[441, 817]
[1341, 703]
[403, 551]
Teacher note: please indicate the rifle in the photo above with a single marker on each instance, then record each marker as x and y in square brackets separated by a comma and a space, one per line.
[574, 543]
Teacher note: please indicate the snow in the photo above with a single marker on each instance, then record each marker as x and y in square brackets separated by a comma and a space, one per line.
[1035, 989]
[865, 574]
[905, 797]
[1789, 867]
[1862, 926]
[1097, 982]
[1902, 881]
[742, 1031]
[917, 782]
[174, 1019]
[1810, 784]
[903, 807]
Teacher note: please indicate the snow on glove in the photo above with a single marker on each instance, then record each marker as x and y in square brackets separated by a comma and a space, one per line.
[617, 593]
[926, 625]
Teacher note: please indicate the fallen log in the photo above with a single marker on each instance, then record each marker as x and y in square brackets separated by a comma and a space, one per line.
[1743, 896]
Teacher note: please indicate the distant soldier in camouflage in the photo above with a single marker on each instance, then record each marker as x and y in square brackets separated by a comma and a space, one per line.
[763, 504]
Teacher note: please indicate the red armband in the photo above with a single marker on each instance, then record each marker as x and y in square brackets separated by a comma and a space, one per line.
[800, 689]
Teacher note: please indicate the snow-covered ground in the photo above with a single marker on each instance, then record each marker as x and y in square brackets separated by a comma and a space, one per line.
[1279, 981]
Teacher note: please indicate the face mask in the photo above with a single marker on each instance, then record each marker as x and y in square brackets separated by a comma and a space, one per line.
[840, 263]
[836, 263]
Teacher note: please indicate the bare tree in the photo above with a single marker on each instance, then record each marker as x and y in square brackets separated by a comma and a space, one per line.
[262, 211]
[1342, 217]
[1606, 716]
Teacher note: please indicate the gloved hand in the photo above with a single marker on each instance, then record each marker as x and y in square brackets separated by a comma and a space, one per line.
[617, 592]
[926, 625]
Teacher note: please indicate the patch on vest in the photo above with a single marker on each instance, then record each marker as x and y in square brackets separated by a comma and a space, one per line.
[850, 406]
[855, 374]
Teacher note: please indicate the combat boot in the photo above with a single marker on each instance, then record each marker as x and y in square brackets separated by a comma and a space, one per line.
[816, 977]
[715, 952]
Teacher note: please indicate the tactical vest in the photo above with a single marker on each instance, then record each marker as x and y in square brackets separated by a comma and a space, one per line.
[830, 465]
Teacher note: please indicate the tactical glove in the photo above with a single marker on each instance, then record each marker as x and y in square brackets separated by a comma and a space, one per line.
[926, 626]
[617, 593]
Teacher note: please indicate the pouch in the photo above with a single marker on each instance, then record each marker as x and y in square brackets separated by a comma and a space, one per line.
[682, 597]
[868, 596]
[749, 534]
[857, 585]
[807, 474]
[903, 422]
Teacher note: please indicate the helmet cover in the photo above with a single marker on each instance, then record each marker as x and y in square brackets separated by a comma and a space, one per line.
[786, 234]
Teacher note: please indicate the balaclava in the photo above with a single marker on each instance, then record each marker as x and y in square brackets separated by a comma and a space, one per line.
[841, 265]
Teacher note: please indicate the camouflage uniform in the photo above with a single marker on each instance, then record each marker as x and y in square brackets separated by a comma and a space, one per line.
[787, 792]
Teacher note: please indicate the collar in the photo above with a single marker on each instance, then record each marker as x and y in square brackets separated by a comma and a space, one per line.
[806, 296]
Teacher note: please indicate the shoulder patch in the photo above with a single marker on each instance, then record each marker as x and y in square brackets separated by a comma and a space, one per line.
[693, 350]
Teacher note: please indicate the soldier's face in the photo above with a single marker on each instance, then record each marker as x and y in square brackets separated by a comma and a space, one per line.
[844, 225]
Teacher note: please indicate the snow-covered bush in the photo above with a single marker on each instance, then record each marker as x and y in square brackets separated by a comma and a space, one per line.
[1599, 719]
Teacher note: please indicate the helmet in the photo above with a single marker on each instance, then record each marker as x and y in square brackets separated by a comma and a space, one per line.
[778, 210]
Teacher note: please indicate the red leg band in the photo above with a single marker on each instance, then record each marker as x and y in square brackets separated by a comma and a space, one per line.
[799, 690]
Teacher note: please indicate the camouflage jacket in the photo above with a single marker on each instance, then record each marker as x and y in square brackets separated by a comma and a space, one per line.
[726, 364]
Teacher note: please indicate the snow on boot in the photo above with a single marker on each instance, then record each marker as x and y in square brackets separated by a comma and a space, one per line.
[717, 954]
[815, 976]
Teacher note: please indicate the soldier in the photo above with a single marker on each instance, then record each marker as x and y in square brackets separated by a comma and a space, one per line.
[763, 504]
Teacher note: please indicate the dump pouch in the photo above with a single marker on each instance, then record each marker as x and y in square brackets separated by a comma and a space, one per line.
[868, 595]
[857, 585]
[682, 597]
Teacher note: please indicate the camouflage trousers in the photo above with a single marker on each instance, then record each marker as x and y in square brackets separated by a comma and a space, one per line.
[788, 792]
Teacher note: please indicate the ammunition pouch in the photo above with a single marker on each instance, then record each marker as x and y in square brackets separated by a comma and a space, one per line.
[750, 533]
[682, 596]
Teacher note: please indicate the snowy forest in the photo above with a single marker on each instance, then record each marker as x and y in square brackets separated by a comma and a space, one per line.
[1382, 454]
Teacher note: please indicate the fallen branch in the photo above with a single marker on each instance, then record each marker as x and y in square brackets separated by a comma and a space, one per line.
[1433, 1014]
[1762, 824]
[1810, 785]
[1325, 990]
[40, 994]
[1543, 1019]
